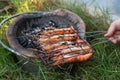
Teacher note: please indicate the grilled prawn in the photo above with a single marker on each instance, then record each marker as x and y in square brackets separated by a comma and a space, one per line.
[68, 58]
[61, 44]
[59, 31]
[58, 38]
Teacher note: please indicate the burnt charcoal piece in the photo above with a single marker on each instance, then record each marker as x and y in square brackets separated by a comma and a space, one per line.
[52, 23]
[35, 31]
[30, 44]
[34, 25]
[43, 28]
[32, 31]
[23, 41]
[44, 53]
[73, 43]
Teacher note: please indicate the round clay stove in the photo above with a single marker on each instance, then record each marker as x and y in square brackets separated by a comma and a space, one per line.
[26, 32]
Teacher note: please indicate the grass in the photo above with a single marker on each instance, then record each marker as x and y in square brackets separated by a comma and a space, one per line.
[104, 65]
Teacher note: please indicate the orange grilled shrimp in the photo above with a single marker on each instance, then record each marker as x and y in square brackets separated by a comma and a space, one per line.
[75, 50]
[68, 58]
[79, 50]
[61, 43]
[66, 49]
[59, 31]
[56, 45]
[57, 38]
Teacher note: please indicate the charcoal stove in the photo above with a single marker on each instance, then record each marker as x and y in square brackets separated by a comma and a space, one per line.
[26, 21]
[30, 23]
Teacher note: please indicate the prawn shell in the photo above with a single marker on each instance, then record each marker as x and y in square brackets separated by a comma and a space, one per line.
[61, 45]
[71, 54]
[77, 58]
[57, 38]
[59, 31]
[56, 45]
[75, 50]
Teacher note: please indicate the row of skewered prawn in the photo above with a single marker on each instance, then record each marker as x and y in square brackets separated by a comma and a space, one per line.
[63, 45]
